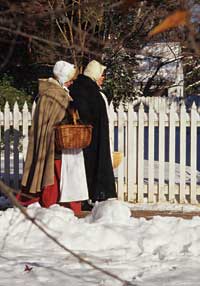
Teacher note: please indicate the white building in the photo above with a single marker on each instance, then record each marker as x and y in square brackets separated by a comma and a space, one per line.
[168, 54]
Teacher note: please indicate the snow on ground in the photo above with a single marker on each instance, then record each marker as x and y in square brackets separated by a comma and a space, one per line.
[177, 172]
[161, 251]
[165, 207]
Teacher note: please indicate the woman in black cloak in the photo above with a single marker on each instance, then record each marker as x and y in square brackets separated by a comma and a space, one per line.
[91, 106]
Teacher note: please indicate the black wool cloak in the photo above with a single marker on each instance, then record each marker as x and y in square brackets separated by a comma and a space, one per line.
[98, 164]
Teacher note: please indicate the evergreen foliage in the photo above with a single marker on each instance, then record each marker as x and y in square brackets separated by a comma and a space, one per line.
[10, 94]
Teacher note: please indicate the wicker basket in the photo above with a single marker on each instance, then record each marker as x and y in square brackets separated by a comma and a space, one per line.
[69, 136]
[73, 136]
[117, 158]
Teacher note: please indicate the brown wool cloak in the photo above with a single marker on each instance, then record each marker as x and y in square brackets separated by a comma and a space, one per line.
[50, 109]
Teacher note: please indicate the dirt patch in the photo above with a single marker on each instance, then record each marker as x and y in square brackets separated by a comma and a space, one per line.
[151, 214]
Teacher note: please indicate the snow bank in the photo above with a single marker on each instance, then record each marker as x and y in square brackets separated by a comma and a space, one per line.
[112, 211]
[85, 234]
[108, 227]
[148, 252]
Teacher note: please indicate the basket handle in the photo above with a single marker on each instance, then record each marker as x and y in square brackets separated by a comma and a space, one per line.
[75, 116]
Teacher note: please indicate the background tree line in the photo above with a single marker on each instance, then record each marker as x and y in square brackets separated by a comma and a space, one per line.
[34, 35]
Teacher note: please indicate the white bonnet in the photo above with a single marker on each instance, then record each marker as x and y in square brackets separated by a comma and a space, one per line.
[64, 71]
[94, 70]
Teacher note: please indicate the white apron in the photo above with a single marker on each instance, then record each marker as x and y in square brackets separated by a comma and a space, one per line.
[73, 184]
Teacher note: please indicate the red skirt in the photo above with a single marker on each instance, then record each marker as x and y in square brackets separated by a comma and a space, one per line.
[49, 195]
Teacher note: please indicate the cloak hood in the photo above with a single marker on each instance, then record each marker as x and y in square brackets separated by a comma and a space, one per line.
[94, 70]
[64, 71]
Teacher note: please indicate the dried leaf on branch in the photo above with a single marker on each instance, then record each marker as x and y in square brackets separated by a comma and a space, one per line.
[178, 18]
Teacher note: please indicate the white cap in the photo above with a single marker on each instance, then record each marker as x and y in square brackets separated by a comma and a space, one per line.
[94, 70]
[64, 71]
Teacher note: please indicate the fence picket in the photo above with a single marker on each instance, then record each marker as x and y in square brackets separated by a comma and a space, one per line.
[125, 151]
[121, 149]
[193, 160]
[140, 162]
[135, 154]
[161, 153]
[16, 120]
[172, 117]
[25, 124]
[131, 158]
[151, 155]
[183, 116]
[7, 143]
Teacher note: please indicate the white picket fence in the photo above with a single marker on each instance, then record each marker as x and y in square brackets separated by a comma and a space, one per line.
[137, 179]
